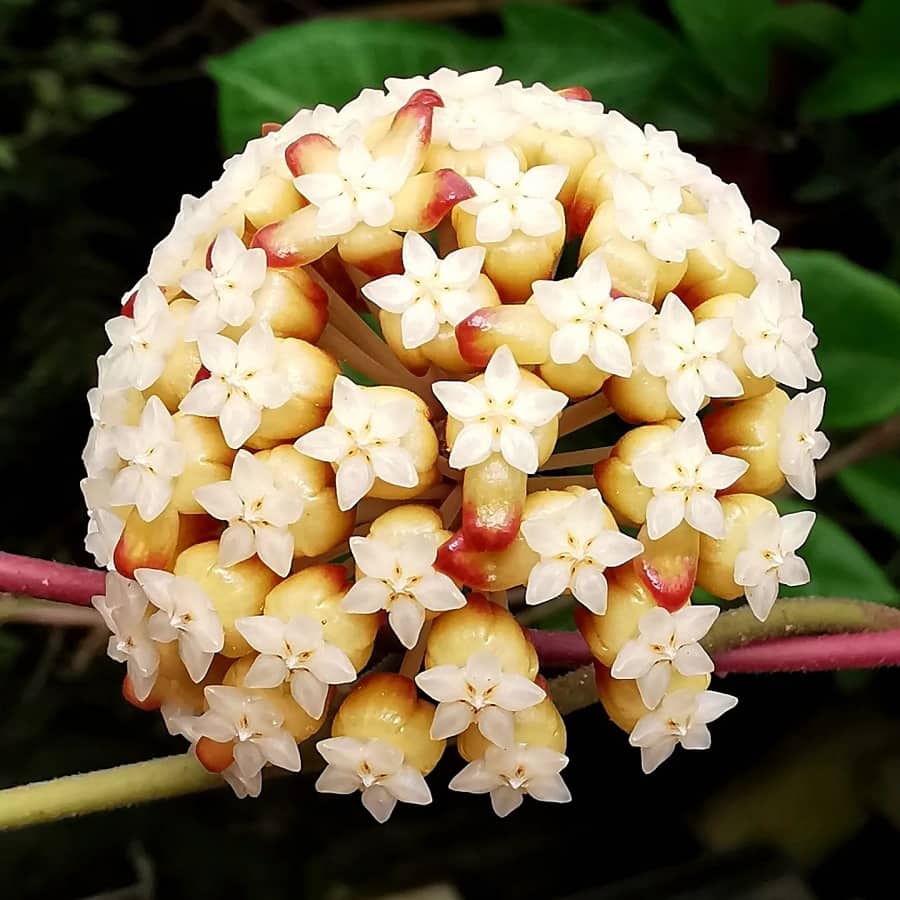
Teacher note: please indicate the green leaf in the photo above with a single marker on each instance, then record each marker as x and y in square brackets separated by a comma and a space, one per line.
[733, 40]
[856, 314]
[875, 486]
[816, 26]
[93, 101]
[862, 83]
[839, 566]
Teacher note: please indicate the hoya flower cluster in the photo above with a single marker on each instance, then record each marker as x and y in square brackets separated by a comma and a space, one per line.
[331, 404]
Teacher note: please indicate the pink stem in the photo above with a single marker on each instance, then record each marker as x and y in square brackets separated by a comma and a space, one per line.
[560, 649]
[50, 580]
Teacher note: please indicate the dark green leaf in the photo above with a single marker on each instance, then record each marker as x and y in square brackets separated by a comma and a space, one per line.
[876, 26]
[839, 566]
[732, 39]
[875, 486]
[816, 26]
[862, 83]
[856, 314]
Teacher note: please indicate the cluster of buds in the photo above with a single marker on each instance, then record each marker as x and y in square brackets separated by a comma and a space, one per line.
[331, 404]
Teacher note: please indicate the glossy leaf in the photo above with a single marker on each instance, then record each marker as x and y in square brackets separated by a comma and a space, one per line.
[875, 486]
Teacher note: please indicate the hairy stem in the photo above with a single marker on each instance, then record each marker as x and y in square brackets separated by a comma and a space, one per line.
[48, 580]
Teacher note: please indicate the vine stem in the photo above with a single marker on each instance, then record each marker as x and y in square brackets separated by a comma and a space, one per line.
[48, 580]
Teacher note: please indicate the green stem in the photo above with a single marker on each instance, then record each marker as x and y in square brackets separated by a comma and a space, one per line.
[76, 795]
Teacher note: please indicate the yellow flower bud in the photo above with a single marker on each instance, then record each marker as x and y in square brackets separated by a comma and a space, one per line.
[182, 362]
[710, 273]
[207, 459]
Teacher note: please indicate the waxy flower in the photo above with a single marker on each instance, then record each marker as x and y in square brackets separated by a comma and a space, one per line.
[500, 415]
[684, 476]
[152, 457]
[123, 609]
[575, 545]
[431, 291]
[141, 343]
[103, 533]
[745, 241]
[243, 381]
[480, 692]
[109, 407]
[364, 441]
[225, 291]
[295, 652]
[374, 767]
[184, 614]
[508, 775]
[681, 718]
[799, 444]
[589, 321]
[685, 353]
[665, 641]
[769, 558]
[253, 724]
[778, 341]
[652, 215]
[360, 189]
[399, 576]
[258, 512]
[508, 199]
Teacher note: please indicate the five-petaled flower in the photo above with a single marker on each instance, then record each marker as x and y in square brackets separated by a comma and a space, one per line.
[184, 613]
[123, 608]
[575, 545]
[295, 652]
[431, 292]
[374, 767]
[509, 774]
[684, 477]
[363, 441]
[399, 576]
[769, 558]
[745, 241]
[224, 292]
[778, 341]
[243, 381]
[799, 444]
[153, 457]
[665, 641]
[258, 511]
[589, 321]
[499, 415]
[508, 199]
[681, 718]
[480, 692]
[685, 353]
[141, 343]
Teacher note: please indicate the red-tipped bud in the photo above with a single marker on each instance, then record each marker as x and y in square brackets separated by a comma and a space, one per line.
[310, 153]
[128, 305]
[269, 128]
[575, 93]
[147, 705]
[216, 756]
[425, 97]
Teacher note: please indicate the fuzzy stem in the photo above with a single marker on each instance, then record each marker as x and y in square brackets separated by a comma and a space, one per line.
[26, 611]
[48, 580]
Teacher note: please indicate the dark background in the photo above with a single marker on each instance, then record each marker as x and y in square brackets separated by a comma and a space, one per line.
[109, 115]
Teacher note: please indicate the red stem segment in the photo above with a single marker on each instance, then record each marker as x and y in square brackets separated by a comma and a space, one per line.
[49, 580]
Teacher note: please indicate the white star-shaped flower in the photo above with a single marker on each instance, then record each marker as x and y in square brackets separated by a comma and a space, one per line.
[242, 786]
[778, 341]
[550, 111]
[103, 533]
[589, 321]
[431, 291]
[243, 381]
[224, 292]
[769, 558]
[153, 458]
[508, 775]
[374, 767]
[652, 215]
[681, 718]
[123, 609]
[731, 224]
[508, 199]
[499, 415]
[800, 444]
[184, 614]
[141, 343]
[258, 512]
[480, 692]
[399, 576]
[685, 353]
[360, 189]
[255, 726]
[575, 546]
[666, 641]
[295, 652]
[684, 476]
[652, 155]
[363, 443]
